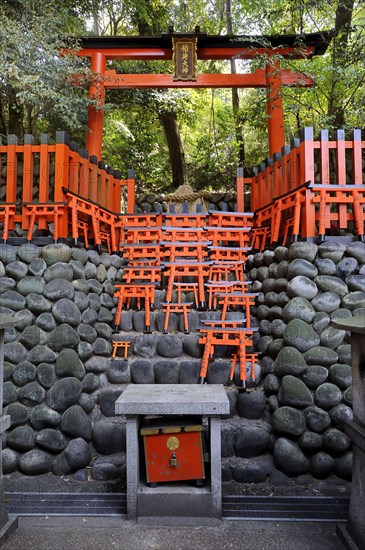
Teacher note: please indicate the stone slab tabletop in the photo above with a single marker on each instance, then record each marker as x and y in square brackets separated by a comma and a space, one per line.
[353, 324]
[150, 399]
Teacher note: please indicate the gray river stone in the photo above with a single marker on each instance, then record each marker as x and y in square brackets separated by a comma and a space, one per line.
[37, 267]
[69, 364]
[97, 364]
[288, 421]
[45, 321]
[31, 284]
[326, 302]
[87, 333]
[103, 330]
[28, 252]
[77, 453]
[16, 270]
[51, 440]
[21, 438]
[321, 464]
[344, 354]
[314, 376]
[58, 288]
[78, 269]
[13, 300]
[317, 419]
[332, 250]
[108, 437]
[347, 266]
[277, 328]
[80, 285]
[87, 402]
[325, 266]
[353, 300]
[354, 282]
[330, 283]
[293, 392]
[35, 462]
[6, 283]
[18, 414]
[299, 266]
[23, 373]
[282, 269]
[340, 415]
[76, 423]
[24, 318]
[280, 285]
[298, 308]
[341, 375]
[79, 254]
[89, 316]
[31, 394]
[335, 441]
[145, 345]
[167, 372]
[42, 416]
[85, 350]
[41, 354]
[321, 321]
[95, 286]
[303, 287]
[289, 458]
[281, 253]
[65, 311]
[14, 352]
[250, 441]
[37, 303]
[271, 384]
[250, 405]
[62, 337]
[310, 442]
[356, 250]
[107, 399]
[268, 285]
[271, 298]
[307, 251]
[57, 252]
[46, 374]
[90, 382]
[33, 336]
[8, 253]
[189, 372]
[90, 270]
[102, 347]
[332, 337]
[283, 298]
[340, 313]
[58, 270]
[327, 396]
[348, 396]
[9, 461]
[64, 393]
[289, 361]
[300, 335]
[169, 345]
[142, 372]
[93, 257]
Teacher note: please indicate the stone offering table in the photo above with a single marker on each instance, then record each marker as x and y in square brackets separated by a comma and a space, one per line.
[353, 535]
[7, 525]
[182, 501]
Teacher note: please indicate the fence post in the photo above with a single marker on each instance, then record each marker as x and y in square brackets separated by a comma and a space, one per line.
[131, 190]
[28, 168]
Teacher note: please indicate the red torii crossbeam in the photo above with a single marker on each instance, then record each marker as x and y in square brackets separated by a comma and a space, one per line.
[102, 49]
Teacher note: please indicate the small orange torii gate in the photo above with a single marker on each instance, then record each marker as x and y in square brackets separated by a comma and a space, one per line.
[184, 49]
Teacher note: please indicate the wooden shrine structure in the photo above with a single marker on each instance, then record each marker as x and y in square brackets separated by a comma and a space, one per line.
[185, 49]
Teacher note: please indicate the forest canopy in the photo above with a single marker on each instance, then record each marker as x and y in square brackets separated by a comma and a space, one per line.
[218, 129]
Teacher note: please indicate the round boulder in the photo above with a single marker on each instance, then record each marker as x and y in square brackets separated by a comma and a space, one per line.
[319, 355]
[329, 283]
[35, 462]
[335, 441]
[108, 437]
[314, 376]
[22, 438]
[250, 441]
[299, 266]
[303, 250]
[289, 361]
[298, 308]
[300, 335]
[288, 421]
[317, 419]
[289, 458]
[64, 393]
[63, 337]
[76, 423]
[327, 396]
[303, 287]
[250, 405]
[341, 375]
[321, 464]
[57, 252]
[65, 311]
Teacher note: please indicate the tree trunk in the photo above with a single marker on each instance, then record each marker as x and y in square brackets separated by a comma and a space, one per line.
[176, 151]
[340, 49]
[235, 97]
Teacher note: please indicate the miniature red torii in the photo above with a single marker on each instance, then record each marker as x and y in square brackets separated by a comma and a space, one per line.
[185, 49]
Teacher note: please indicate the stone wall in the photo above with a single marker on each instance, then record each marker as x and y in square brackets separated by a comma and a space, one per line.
[61, 384]
[306, 362]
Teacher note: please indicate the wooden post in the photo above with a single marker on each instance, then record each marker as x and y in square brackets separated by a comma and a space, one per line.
[28, 165]
[131, 192]
[275, 110]
[240, 190]
[94, 138]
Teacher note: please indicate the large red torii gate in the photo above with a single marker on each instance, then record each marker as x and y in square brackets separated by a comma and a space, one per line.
[184, 49]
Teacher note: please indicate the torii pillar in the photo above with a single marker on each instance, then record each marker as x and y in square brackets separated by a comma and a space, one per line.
[95, 120]
[275, 110]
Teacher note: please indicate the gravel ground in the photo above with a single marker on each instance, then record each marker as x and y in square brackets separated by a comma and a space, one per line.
[107, 533]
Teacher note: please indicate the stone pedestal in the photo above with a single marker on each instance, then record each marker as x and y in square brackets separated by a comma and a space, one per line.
[174, 502]
[353, 535]
[7, 525]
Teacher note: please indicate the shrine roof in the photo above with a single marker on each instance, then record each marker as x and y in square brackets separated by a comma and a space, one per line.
[208, 46]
